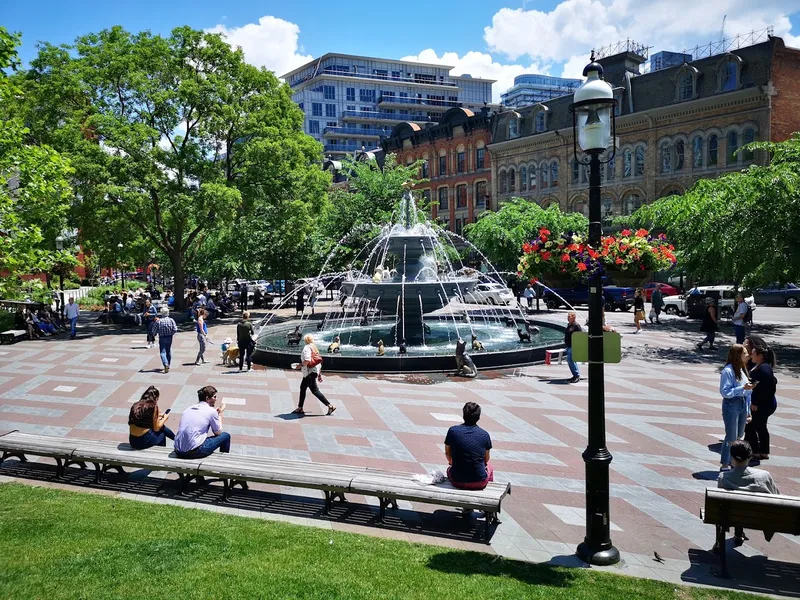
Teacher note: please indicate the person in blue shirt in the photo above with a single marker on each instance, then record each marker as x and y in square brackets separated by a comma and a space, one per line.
[735, 388]
[467, 448]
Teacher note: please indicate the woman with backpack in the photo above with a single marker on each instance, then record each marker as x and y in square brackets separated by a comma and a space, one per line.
[311, 370]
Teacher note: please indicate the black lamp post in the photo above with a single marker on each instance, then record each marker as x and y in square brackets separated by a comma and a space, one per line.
[122, 266]
[60, 247]
[594, 129]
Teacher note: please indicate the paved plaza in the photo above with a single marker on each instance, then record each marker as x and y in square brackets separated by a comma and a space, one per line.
[664, 427]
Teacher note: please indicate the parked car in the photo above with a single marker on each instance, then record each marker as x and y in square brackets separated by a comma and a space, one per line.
[779, 295]
[616, 297]
[666, 290]
[491, 293]
[691, 303]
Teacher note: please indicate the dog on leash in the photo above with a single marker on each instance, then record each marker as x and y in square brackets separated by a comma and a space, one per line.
[230, 353]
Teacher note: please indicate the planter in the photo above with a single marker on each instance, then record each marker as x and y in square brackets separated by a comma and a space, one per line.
[633, 279]
[557, 280]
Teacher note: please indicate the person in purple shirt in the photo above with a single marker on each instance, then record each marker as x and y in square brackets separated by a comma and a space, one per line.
[200, 430]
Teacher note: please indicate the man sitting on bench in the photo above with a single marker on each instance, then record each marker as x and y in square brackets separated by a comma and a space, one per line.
[745, 479]
[467, 449]
[193, 439]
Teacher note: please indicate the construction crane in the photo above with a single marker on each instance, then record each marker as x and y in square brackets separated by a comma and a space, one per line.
[722, 32]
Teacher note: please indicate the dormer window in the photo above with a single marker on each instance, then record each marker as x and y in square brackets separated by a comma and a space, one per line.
[729, 73]
[686, 84]
[540, 121]
[513, 127]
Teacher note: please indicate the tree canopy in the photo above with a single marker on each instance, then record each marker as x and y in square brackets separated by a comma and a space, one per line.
[741, 227]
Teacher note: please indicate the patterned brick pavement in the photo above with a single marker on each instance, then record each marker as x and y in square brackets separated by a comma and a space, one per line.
[663, 420]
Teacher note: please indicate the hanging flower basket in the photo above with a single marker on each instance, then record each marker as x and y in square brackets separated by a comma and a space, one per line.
[630, 279]
[556, 279]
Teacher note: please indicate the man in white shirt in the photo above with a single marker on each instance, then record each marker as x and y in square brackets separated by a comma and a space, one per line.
[71, 312]
[738, 318]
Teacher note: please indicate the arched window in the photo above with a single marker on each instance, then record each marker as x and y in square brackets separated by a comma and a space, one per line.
[532, 175]
[686, 86]
[584, 174]
[633, 202]
[443, 200]
[698, 152]
[576, 172]
[713, 150]
[611, 169]
[748, 138]
[666, 158]
[540, 121]
[607, 205]
[544, 180]
[680, 151]
[733, 146]
[671, 192]
[554, 174]
[512, 180]
[523, 179]
[729, 76]
[639, 167]
[628, 164]
[425, 168]
[502, 184]
[480, 193]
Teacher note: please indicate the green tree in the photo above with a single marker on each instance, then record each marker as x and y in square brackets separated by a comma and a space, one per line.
[172, 138]
[34, 187]
[500, 235]
[741, 227]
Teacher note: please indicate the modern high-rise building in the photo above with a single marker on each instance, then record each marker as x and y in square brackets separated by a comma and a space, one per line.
[352, 102]
[532, 89]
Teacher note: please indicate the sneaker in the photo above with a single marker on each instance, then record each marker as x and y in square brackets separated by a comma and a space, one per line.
[331, 408]
[166, 368]
[575, 379]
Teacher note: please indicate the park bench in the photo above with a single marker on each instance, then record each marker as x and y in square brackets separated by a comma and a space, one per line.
[13, 335]
[769, 513]
[334, 480]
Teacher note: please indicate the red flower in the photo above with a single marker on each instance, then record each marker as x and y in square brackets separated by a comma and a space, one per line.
[604, 252]
[527, 248]
[641, 267]
[662, 236]
[565, 258]
[581, 266]
[544, 231]
[623, 247]
[593, 253]
[642, 233]
[619, 261]
[545, 256]
[625, 232]
[534, 280]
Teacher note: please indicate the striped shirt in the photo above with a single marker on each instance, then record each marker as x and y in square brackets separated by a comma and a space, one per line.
[166, 327]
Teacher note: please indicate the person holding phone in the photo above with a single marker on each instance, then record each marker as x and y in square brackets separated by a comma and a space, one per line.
[146, 423]
[764, 402]
[200, 430]
[735, 388]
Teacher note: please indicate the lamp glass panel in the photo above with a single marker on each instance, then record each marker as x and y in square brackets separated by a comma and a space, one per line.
[594, 127]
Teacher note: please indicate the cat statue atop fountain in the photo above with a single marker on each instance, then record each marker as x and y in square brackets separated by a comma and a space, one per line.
[378, 276]
[477, 346]
[381, 348]
[335, 346]
[464, 365]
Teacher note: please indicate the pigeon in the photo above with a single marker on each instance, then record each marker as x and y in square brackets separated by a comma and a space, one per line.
[657, 557]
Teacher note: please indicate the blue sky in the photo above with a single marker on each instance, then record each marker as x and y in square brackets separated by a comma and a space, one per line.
[492, 38]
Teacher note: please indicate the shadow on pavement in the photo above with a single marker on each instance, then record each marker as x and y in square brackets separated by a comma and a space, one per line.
[468, 563]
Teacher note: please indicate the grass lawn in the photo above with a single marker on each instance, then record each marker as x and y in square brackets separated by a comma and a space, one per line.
[58, 544]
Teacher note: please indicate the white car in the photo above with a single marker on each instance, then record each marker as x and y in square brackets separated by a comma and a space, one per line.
[726, 295]
[491, 293]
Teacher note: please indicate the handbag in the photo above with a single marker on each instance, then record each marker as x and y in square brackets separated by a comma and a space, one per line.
[316, 358]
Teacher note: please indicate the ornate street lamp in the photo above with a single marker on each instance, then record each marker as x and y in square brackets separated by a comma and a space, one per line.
[122, 266]
[60, 247]
[594, 129]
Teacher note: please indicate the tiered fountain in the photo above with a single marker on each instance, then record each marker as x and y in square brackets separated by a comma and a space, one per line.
[402, 298]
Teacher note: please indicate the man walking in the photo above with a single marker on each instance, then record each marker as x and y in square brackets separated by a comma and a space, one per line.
[738, 318]
[657, 303]
[71, 312]
[244, 338]
[572, 327]
[166, 329]
[243, 296]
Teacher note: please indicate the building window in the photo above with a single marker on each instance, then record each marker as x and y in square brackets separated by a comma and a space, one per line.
[459, 226]
[733, 146]
[611, 169]
[302, 106]
[698, 150]
[513, 127]
[627, 159]
[540, 117]
[532, 180]
[713, 150]
[666, 158]
[502, 185]
[460, 161]
[686, 86]
[366, 95]
[351, 94]
[553, 174]
[479, 154]
[633, 202]
[480, 193]
[544, 176]
[523, 179]
[461, 196]
[313, 127]
[330, 110]
[442, 166]
[680, 153]
[425, 169]
[316, 109]
[608, 209]
[395, 74]
[748, 138]
[639, 166]
[443, 205]
[512, 180]
[329, 92]
[730, 74]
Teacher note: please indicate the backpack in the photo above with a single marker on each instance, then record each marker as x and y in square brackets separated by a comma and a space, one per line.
[748, 316]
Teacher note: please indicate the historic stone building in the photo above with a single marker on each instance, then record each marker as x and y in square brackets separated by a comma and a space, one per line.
[674, 126]
[455, 161]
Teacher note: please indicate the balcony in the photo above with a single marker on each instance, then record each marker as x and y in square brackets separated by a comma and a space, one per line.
[384, 117]
[372, 77]
[356, 132]
[423, 103]
[347, 148]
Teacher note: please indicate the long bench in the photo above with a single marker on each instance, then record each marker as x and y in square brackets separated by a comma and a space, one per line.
[769, 513]
[334, 480]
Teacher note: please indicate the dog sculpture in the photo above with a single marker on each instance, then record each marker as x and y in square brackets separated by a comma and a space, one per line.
[465, 367]
[524, 336]
[293, 339]
[381, 348]
[476, 343]
[334, 346]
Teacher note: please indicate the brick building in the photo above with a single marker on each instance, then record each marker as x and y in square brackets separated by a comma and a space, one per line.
[455, 161]
[675, 125]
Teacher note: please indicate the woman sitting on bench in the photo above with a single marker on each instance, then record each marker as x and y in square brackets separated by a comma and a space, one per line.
[147, 423]
[467, 449]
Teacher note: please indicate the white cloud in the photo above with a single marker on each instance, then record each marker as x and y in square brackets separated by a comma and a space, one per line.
[479, 64]
[574, 27]
[271, 43]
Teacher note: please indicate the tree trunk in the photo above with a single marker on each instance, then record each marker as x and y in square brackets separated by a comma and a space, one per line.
[176, 258]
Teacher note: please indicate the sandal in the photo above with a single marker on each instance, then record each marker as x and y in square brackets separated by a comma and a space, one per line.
[331, 408]
[298, 411]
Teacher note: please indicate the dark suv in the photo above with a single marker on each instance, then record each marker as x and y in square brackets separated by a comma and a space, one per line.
[616, 297]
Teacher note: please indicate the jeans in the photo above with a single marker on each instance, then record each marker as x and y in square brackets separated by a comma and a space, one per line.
[310, 382]
[151, 438]
[165, 349]
[151, 331]
[740, 333]
[573, 366]
[73, 326]
[756, 432]
[710, 335]
[201, 339]
[245, 353]
[734, 415]
[221, 441]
